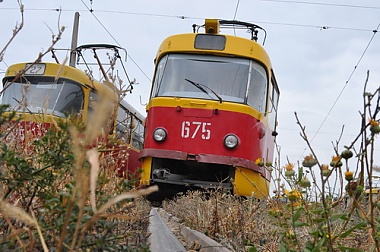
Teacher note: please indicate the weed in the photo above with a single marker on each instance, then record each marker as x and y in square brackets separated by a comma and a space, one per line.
[59, 193]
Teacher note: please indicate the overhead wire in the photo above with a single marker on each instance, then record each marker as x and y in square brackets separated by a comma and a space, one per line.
[106, 11]
[345, 85]
[109, 33]
[320, 3]
[321, 27]
[349, 78]
[236, 9]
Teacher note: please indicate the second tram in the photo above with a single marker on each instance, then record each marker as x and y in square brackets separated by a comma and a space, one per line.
[43, 93]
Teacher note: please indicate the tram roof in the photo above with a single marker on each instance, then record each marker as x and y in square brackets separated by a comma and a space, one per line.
[52, 69]
[234, 47]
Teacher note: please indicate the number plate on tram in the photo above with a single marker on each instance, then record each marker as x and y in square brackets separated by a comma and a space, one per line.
[35, 69]
[195, 130]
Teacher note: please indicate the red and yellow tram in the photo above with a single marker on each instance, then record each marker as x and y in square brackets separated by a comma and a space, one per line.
[212, 112]
[43, 93]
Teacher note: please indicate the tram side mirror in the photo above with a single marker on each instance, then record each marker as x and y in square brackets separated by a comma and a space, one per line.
[274, 133]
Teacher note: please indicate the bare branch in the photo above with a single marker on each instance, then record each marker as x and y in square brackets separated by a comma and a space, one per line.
[55, 39]
[16, 30]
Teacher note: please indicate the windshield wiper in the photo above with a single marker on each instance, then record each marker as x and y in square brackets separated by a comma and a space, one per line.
[201, 87]
[22, 106]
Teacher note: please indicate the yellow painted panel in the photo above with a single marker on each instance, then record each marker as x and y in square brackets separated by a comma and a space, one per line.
[146, 170]
[206, 104]
[235, 46]
[250, 183]
[53, 70]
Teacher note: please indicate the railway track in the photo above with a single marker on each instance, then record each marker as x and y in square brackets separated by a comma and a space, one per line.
[167, 234]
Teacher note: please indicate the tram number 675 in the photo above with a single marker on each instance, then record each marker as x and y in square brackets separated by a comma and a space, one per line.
[192, 129]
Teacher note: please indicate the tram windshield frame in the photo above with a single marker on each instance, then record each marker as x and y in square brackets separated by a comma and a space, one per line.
[211, 77]
[43, 95]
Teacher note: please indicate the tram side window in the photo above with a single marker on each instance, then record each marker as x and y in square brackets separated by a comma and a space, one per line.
[257, 87]
[123, 125]
[158, 76]
[138, 134]
[93, 99]
[272, 116]
[71, 98]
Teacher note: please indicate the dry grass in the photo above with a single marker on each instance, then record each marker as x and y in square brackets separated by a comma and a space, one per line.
[62, 194]
[246, 224]
[235, 222]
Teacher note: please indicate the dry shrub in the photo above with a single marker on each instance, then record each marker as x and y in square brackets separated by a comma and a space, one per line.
[59, 194]
[238, 223]
[249, 225]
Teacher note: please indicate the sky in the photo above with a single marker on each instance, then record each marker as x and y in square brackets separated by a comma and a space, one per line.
[321, 51]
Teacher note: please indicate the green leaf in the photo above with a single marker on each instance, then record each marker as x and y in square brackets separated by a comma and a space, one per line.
[318, 246]
[373, 247]
[308, 246]
[349, 231]
[314, 233]
[342, 216]
[319, 220]
[282, 248]
[300, 224]
[317, 211]
[297, 214]
[347, 249]
[252, 249]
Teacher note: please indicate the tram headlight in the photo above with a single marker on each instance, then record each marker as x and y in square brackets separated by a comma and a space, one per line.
[159, 134]
[231, 141]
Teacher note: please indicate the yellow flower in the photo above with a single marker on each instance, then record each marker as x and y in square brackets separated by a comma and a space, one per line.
[309, 157]
[328, 236]
[293, 195]
[373, 122]
[309, 161]
[374, 128]
[325, 170]
[335, 162]
[259, 162]
[348, 175]
[289, 167]
[325, 167]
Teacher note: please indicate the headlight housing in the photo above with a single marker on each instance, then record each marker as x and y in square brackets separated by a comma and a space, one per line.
[231, 141]
[159, 134]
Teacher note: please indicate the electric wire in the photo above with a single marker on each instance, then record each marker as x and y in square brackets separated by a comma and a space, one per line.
[345, 85]
[105, 11]
[321, 27]
[324, 27]
[109, 33]
[236, 9]
[314, 131]
[325, 4]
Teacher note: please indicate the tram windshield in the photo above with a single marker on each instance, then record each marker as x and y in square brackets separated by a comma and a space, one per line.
[43, 95]
[210, 77]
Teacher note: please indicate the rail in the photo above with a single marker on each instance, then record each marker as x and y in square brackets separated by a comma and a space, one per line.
[167, 234]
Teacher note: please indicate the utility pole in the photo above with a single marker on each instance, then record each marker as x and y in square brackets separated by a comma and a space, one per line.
[74, 40]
